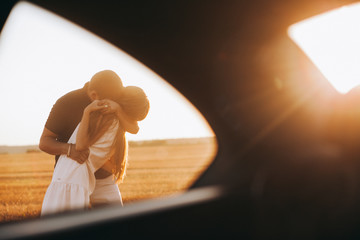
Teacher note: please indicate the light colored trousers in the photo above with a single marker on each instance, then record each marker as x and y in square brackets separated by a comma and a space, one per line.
[106, 192]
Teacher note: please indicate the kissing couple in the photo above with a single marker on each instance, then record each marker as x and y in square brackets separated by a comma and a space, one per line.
[86, 131]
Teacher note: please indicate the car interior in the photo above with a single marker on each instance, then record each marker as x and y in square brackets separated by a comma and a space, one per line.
[287, 161]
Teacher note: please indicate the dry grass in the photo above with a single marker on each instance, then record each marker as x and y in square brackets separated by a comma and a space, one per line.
[154, 171]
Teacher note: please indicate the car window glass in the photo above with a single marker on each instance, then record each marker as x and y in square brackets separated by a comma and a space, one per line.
[44, 56]
[331, 41]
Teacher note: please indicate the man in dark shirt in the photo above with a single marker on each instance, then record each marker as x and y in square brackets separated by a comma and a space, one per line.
[61, 123]
[66, 115]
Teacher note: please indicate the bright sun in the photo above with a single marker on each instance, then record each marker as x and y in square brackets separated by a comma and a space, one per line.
[332, 41]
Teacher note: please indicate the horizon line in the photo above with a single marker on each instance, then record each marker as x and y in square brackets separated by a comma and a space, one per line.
[133, 140]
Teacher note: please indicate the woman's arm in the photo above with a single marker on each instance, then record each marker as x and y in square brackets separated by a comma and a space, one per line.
[82, 138]
[100, 150]
[128, 124]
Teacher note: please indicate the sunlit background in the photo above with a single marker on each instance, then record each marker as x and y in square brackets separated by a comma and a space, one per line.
[43, 56]
[332, 41]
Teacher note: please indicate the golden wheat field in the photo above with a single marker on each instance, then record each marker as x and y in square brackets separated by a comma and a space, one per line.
[155, 170]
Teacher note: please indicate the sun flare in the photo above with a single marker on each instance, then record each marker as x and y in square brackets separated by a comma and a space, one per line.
[332, 41]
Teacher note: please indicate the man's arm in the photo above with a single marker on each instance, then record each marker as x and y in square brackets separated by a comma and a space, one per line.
[50, 145]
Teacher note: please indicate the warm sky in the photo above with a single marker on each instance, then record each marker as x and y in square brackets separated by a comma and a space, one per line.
[43, 56]
[332, 41]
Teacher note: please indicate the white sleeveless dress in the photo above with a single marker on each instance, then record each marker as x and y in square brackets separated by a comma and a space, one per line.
[72, 183]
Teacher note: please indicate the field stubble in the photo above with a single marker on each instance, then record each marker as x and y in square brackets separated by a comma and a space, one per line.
[154, 171]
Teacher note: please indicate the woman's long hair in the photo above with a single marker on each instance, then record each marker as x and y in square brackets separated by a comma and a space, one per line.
[98, 125]
[135, 104]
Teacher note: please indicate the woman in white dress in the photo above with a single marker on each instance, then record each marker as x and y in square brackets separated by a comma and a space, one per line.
[73, 183]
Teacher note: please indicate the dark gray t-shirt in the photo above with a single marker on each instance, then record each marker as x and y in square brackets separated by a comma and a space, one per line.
[66, 114]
